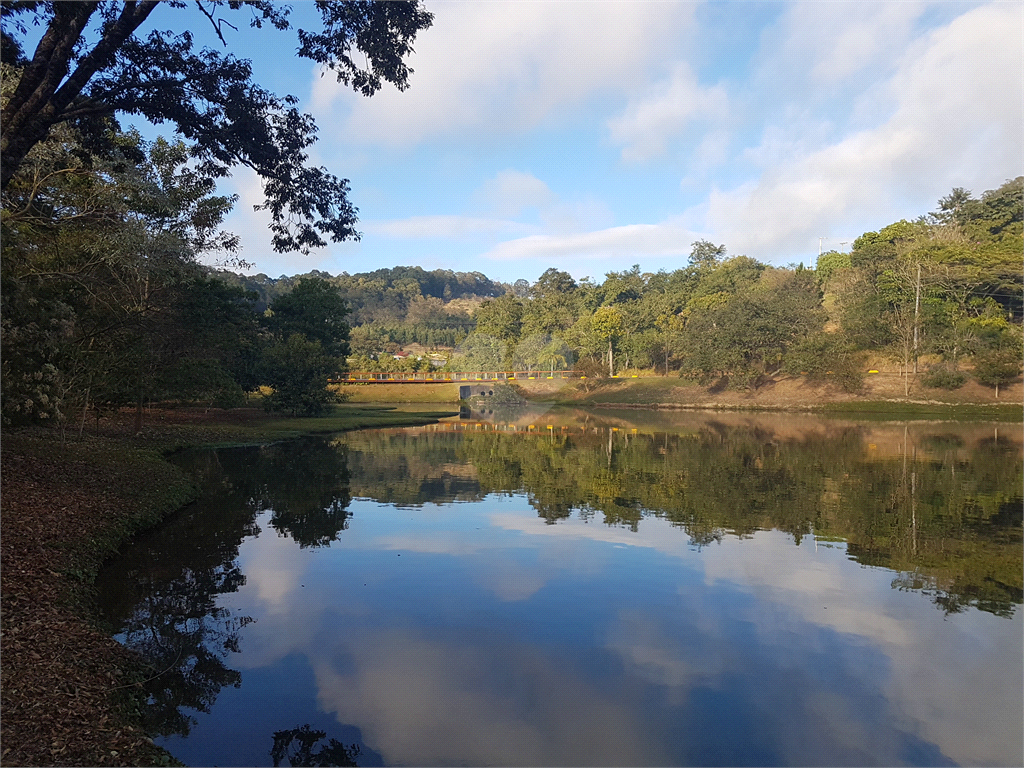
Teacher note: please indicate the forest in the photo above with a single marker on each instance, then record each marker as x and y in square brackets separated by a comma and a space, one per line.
[107, 299]
[106, 302]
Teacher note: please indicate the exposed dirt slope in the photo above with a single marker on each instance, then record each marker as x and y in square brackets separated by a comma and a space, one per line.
[783, 393]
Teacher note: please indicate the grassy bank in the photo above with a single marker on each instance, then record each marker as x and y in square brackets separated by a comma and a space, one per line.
[66, 688]
[882, 396]
[399, 393]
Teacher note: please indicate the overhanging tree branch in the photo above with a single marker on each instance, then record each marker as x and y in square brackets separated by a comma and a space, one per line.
[210, 97]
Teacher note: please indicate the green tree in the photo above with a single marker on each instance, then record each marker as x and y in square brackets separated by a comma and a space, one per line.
[607, 325]
[479, 352]
[90, 64]
[502, 317]
[315, 309]
[829, 263]
[706, 255]
[1000, 361]
[747, 335]
[106, 246]
[297, 369]
[827, 358]
[553, 304]
[529, 353]
[556, 353]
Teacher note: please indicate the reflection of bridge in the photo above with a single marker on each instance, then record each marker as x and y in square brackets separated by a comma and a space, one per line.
[446, 377]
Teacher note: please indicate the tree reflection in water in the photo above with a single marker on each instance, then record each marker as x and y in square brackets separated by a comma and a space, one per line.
[296, 746]
[162, 597]
[942, 512]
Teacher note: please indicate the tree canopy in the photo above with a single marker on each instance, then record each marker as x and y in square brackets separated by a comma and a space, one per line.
[92, 63]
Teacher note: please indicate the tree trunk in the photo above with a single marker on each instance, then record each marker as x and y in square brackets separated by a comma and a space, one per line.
[46, 91]
[611, 366]
[85, 410]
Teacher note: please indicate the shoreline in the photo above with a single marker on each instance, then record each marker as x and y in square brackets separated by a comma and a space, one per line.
[883, 393]
[908, 409]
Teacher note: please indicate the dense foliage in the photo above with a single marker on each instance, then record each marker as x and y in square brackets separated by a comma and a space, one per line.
[945, 287]
[91, 64]
[104, 301]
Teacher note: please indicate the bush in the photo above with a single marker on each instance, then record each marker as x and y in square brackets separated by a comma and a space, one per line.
[941, 377]
[827, 357]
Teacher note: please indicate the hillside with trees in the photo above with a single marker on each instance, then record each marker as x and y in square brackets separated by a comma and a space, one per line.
[945, 289]
[89, 324]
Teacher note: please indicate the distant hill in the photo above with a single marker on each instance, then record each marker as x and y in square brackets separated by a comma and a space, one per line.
[381, 295]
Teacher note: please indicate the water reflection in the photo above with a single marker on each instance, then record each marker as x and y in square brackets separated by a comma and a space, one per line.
[162, 598]
[575, 590]
[296, 745]
[946, 515]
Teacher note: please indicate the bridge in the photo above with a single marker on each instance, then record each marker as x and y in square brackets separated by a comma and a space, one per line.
[449, 377]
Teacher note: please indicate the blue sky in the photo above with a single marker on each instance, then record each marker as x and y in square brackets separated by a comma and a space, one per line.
[594, 135]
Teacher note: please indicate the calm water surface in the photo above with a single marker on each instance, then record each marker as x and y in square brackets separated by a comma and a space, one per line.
[590, 589]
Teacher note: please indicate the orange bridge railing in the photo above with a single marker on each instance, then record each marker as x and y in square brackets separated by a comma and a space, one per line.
[444, 377]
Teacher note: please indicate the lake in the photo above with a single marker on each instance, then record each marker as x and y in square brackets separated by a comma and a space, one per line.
[590, 588]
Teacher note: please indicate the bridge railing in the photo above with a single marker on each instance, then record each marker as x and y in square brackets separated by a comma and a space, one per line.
[444, 377]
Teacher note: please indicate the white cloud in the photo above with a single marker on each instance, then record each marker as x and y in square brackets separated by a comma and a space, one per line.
[633, 240]
[648, 123]
[842, 39]
[500, 67]
[274, 568]
[851, 116]
[957, 122]
[427, 695]
[512, 581]
[951, 697]
[430, 701]
[508, 195]
[514, 193]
